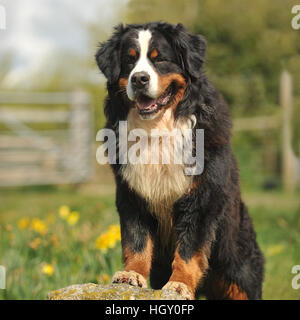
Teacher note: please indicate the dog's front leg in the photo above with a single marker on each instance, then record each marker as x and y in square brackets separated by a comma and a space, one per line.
[195, 232]
[137, 262]
[187, 272]
[137, 245]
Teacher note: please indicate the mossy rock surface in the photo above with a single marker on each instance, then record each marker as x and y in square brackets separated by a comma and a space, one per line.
[91, 291]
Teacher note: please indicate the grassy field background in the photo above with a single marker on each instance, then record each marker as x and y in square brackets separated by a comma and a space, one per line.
[42, 250]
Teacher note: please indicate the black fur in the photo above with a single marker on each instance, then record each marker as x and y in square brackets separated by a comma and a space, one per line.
[213, 214]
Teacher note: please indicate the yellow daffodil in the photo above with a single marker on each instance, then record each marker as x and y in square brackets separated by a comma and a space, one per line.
[35, 243]
[54, 241]
[103, 278]
[47, 269]
[8, 227]
[73, 218]
[23, 223]
[101, 243]
[64, 212]
[39, 226]
[275, 249]
[281, 222]
[115, 230]
[109, 238]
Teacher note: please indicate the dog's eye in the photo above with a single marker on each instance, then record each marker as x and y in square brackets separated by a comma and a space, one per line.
[158, 59]
[129, 59]
[131, 56]
[155, 56]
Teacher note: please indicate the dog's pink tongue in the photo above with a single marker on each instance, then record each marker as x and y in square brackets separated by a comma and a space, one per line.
[144, 102]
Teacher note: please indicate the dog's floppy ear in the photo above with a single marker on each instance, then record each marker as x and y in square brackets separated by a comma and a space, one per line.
[108, 56]
[192, 49]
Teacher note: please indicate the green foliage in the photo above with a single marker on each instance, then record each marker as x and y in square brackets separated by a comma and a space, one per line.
[249, 43]
[175, 11]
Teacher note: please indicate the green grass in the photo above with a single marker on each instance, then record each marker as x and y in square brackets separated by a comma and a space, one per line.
[76, 259]
[72, 252]
[278, 234]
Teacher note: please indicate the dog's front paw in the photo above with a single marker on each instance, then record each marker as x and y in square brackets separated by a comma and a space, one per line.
[180, 288]
[131, 277]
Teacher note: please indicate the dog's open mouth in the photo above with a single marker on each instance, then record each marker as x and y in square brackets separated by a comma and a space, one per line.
[146, 105]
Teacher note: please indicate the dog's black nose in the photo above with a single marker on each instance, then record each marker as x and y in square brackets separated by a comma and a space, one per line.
[140, 79]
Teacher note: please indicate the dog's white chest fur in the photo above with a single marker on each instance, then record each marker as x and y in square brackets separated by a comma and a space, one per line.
[160, 184]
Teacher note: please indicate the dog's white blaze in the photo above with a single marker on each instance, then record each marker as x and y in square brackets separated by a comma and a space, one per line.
[143, 64]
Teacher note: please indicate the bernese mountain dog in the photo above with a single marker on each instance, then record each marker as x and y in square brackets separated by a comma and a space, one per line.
[187, 233]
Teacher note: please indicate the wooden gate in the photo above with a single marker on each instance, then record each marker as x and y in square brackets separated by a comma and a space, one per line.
[283, 121]
[45, 138]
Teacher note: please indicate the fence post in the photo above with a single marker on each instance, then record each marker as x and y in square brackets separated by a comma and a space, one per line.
[81, 128]
[288, 157]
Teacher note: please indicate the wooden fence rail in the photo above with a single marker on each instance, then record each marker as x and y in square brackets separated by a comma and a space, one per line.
[29, 156]
[290, 163]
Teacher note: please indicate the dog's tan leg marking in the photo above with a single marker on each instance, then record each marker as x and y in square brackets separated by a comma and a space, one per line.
[223, 290]
[137, 266]
[235, 293]
[187, 275]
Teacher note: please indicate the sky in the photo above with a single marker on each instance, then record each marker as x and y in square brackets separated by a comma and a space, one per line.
[36, 29]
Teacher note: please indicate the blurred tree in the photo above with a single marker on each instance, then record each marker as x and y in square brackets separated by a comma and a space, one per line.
[249, 44]
[173, 11]
[250, 41]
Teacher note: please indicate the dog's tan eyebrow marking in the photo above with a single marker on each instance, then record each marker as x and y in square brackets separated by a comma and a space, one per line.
[132, 52]
[153, 54]
[123, 82]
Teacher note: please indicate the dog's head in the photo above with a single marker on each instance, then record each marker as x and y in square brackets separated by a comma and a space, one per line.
[152, 64]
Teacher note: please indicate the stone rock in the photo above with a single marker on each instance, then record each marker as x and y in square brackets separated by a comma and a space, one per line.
[91, 291]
